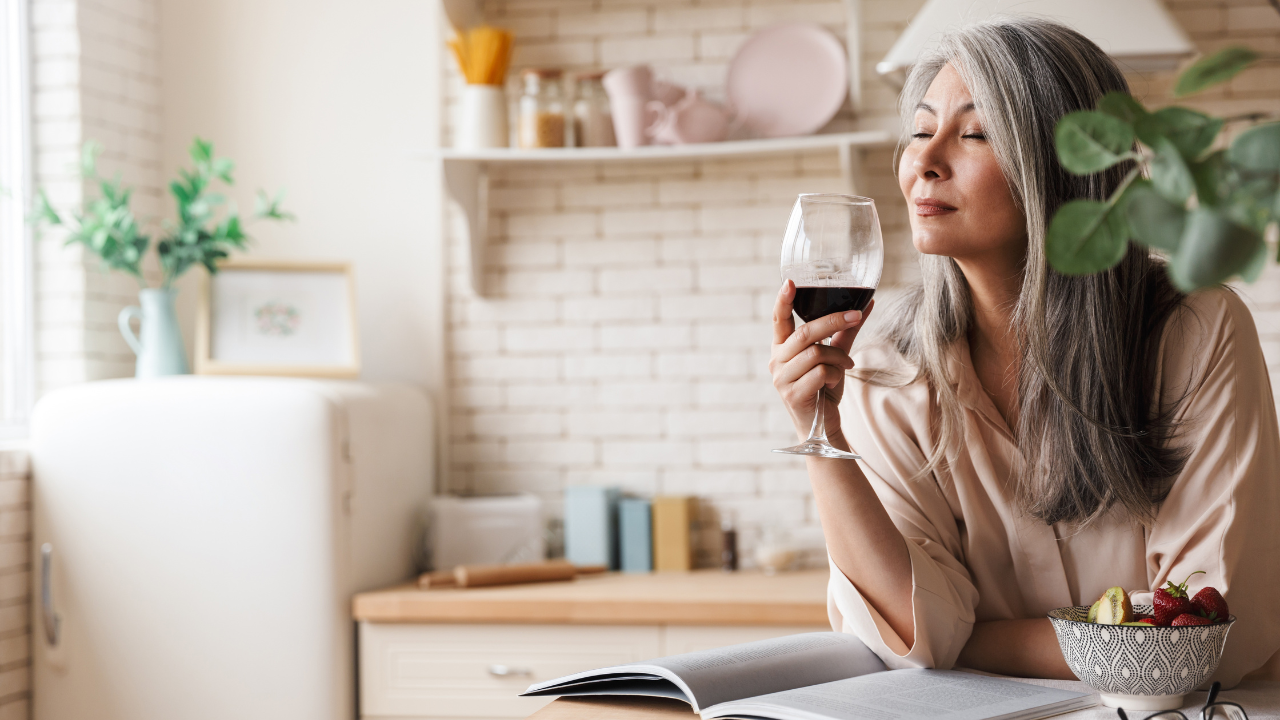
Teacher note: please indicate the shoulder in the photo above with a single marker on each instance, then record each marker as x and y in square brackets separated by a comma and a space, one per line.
[1210, 332]
[1207, 315]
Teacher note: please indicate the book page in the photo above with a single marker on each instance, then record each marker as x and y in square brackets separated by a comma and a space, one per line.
[908, 695]
[729, 673]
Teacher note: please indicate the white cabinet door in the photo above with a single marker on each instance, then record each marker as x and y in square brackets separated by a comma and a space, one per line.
[678, 639]
[477, 671]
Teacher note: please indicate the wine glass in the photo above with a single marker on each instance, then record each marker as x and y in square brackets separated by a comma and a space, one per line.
[834, 254]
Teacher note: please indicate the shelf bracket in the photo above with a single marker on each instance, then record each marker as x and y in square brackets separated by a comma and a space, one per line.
[468, 185]
[850, 166]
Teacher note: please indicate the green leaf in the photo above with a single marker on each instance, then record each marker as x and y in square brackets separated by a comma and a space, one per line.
[1085, 237]
[1170, 174]
[44, 211]
[201, 151]
[222, 168]
[1121, 106]
[1212, 249]
[1154, 221]
[1216, 68]
[1213, 177]
[268, 208]
[1253, 269]
[89, 158]
[1257, 149]
[1090, 141]
[1191, 132]
[1252, 202]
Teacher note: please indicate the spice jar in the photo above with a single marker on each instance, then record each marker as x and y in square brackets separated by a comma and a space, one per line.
[592, 119]
[541, 110]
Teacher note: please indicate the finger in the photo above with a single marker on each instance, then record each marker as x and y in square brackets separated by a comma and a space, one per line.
[783, 325]
[844, 339]
[822, 376]
[813, 332]
[811, 357]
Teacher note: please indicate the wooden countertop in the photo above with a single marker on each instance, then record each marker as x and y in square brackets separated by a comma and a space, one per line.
[701, 597]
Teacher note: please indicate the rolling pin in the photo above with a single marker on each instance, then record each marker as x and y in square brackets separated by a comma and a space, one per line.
[489, 575]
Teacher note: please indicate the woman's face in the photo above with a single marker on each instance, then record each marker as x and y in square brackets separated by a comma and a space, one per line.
[959, 201]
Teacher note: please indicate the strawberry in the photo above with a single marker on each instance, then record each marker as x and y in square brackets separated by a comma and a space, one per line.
[1186, 619]
[1210, 604]
[1172, 601]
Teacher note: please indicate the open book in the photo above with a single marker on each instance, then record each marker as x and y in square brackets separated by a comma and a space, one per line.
[816, 676]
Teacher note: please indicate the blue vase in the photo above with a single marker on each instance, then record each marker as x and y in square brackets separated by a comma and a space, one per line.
[158, 345]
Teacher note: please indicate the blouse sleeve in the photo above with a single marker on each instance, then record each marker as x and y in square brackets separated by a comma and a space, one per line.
[943, 596]
[1222, 515]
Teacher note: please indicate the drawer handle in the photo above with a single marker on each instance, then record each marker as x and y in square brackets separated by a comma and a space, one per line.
[508, 671]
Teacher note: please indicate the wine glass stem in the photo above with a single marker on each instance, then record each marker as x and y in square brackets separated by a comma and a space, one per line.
[818, 433]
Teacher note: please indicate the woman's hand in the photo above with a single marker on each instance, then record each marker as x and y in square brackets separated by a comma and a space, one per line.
[800, 364]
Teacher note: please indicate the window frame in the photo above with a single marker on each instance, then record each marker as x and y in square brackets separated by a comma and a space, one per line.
[17, 296]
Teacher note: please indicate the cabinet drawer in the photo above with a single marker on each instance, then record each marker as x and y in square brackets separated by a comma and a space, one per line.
[678, 639]
[448, 671]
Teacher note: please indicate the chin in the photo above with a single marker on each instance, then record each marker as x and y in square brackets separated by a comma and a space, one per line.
[929, 243]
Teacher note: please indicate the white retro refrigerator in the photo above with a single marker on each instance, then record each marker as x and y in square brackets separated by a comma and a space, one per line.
[202, 538]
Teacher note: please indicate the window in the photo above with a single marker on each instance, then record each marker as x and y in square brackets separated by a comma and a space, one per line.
[16, 295]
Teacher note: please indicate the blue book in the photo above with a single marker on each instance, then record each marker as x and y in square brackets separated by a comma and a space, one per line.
[635, 535]
[591, 525]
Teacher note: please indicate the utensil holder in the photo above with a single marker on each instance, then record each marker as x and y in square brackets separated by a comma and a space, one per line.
[482, 118]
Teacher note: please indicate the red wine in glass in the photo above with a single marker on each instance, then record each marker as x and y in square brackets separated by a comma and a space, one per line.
[833, 251]
[812, 303]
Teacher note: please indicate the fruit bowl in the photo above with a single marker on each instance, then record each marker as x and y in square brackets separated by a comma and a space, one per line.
[1139, 668]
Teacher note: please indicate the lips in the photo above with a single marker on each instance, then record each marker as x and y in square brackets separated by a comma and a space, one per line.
[932, 206]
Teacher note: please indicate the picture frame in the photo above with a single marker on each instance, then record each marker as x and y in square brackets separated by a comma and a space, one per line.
[278, 317]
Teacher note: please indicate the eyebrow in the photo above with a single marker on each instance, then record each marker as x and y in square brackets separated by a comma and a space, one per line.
[929, 108]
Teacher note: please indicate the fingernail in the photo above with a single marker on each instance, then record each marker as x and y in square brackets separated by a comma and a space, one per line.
[853, 316]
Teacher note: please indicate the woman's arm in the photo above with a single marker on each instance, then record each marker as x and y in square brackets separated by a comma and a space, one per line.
[1020, 648]
[861, 538]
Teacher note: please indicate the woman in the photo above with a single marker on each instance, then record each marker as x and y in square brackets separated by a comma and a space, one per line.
[1030, 439]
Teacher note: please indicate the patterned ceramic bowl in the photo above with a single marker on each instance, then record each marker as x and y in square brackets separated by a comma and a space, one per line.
[1139, 668]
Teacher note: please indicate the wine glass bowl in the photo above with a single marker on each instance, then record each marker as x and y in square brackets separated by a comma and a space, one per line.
[833, 251]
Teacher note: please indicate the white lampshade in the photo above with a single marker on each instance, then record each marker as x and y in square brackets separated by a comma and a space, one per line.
[1139, 34]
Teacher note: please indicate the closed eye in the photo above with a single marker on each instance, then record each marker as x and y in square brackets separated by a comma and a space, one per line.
[974, 136]
[922, 135]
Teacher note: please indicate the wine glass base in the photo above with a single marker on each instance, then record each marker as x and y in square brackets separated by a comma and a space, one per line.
[818, 449]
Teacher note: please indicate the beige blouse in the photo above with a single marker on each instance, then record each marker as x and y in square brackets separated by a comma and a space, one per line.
[975, 558]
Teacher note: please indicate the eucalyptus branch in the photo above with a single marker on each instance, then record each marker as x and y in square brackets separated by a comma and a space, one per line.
[206, 229]
[1206, 210]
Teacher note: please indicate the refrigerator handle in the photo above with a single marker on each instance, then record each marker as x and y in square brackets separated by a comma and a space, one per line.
[52, 622]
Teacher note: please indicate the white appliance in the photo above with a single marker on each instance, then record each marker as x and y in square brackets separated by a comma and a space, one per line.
[1140, 34]
[206, 536]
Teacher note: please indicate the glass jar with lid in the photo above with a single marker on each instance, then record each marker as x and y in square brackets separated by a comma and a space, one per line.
[592, 118]
[541, 123]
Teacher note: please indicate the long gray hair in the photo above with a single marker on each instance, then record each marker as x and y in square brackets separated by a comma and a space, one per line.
[1091, 435]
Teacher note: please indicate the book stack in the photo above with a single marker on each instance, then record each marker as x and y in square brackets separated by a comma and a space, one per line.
[629, 534]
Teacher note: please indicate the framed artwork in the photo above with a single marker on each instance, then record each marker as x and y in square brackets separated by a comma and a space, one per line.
[273, 317]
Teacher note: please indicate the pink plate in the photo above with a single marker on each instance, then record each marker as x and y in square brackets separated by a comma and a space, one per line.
[788, 80]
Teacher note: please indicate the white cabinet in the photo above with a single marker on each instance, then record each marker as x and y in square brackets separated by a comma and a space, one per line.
[476, 671]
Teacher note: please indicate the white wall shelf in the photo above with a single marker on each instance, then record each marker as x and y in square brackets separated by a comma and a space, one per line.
[466, 172]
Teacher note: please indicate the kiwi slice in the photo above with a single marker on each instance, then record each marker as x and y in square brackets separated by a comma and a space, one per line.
[1114, 607]
[1093, 611]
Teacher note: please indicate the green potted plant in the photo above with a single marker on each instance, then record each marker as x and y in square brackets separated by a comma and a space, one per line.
[1208, 211]
[200, 235]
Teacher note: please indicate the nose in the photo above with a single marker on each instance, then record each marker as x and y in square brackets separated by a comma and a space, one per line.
[931, 162]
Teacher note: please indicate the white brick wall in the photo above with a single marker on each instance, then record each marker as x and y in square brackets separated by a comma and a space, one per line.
[95, 78]
[15, 587]
[626, 337]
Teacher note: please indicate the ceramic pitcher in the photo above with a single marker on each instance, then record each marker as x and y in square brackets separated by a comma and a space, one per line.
[159, 343]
